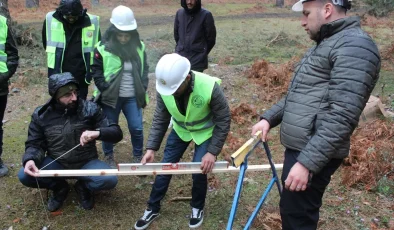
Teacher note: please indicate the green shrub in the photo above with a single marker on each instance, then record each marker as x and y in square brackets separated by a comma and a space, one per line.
[380, 8]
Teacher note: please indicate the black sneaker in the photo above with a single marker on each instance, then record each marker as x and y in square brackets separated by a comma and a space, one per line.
[146, 219]
[86, 197]
[3, 168]
[59, 195]
[196, 218]
[109, 159]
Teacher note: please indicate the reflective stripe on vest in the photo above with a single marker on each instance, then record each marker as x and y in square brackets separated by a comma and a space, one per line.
[197, 125]
[112, 63]
[56, 39]
[3, 40]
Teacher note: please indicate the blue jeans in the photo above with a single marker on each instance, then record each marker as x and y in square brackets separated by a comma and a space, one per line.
[173, 152]
[93, 183]
[133, 116]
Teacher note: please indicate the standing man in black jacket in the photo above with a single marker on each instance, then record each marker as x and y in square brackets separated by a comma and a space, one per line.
[8, 63]
[58, 127]
[328, 92]
[69, 35]
[194, 33]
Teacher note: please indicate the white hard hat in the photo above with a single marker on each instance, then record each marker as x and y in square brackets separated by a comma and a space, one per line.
[343, 3]
[171, 71]
[123, 18]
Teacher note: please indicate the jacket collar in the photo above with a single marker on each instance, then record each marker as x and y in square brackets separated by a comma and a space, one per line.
[329, 29]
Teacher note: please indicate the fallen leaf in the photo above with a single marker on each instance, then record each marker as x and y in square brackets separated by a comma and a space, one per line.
[56, 213]
[17, 220]
[366, 203]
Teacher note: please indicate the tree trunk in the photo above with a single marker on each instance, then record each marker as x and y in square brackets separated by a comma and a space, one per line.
[32, 3]
[280, 3]
[4, 9]
[95, 2]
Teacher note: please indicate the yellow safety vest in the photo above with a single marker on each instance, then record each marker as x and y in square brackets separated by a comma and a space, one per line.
[3, 40]
[112, 63]
[56, 38]
[197, 125]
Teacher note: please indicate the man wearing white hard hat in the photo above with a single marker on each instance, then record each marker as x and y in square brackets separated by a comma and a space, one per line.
[200, 114]
[120, 72]
[329, 89]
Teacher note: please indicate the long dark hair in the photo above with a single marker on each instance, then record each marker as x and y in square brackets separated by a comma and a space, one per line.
[126, 52]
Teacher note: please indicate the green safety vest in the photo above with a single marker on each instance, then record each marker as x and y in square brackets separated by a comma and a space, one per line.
[3, 40]
[56, 38]
[197, 125]
[112, 64]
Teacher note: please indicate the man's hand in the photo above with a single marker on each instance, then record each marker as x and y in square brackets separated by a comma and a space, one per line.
[262, 126]
[207, 163]
[88, 136]
[31, 169]
[297, 179]
[148, 157]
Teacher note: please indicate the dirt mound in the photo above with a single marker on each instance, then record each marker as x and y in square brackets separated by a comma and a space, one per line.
[370, 155]
[274, 79]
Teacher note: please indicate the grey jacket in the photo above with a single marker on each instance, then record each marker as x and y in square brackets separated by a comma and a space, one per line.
[327, 94]
[221, 118]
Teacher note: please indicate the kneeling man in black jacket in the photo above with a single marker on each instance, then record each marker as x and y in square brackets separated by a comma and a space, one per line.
[57, 127]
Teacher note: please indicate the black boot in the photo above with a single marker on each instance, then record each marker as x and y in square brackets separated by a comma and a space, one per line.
[86, 197]
[59, 195]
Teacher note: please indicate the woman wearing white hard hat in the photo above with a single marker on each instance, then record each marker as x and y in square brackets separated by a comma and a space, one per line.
[120, 72]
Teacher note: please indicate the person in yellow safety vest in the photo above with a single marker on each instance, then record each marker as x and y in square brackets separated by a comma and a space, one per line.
[8, 63]
[120, 73]
[201, 114]
[69, 36]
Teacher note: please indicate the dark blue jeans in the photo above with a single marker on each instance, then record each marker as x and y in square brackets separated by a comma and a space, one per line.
[133, 116]
[93, 183]
[173, 152]
[3, 105]
[300, 210]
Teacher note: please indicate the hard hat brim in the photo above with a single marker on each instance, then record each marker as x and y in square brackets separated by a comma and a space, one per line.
[165, 90]
[298, 7]
[133, 26]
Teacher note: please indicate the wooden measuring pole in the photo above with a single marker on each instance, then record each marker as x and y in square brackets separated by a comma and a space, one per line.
[238, 157]
[115, 172]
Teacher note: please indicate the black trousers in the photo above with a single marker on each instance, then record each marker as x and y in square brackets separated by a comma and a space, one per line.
[3, 105]
[300, 210]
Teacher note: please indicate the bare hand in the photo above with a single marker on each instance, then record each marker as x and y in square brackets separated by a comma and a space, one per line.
[148, 157]
[88, 136]
[207, 163]
[262, 126]
[31, 169]
[297, 179]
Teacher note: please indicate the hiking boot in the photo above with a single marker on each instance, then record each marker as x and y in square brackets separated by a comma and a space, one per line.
[196, 218]
[148, 217]
[59, 195]
[3, 168]
[109, 159]
[85, 196]
[136, 160]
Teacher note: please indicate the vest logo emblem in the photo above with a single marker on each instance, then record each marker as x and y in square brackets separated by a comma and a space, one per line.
[163, 82]
[197, 101]
[89, 34]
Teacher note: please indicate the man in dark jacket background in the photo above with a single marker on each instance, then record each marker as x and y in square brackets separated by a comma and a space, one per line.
[67, 123]
[329, 90]
[194, 33]
[69, 35]
[9, 60]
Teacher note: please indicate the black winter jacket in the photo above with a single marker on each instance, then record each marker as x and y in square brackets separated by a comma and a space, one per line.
[12, 61]
[53, 131]
[221, 119]
[194, 34]
[73, 57]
